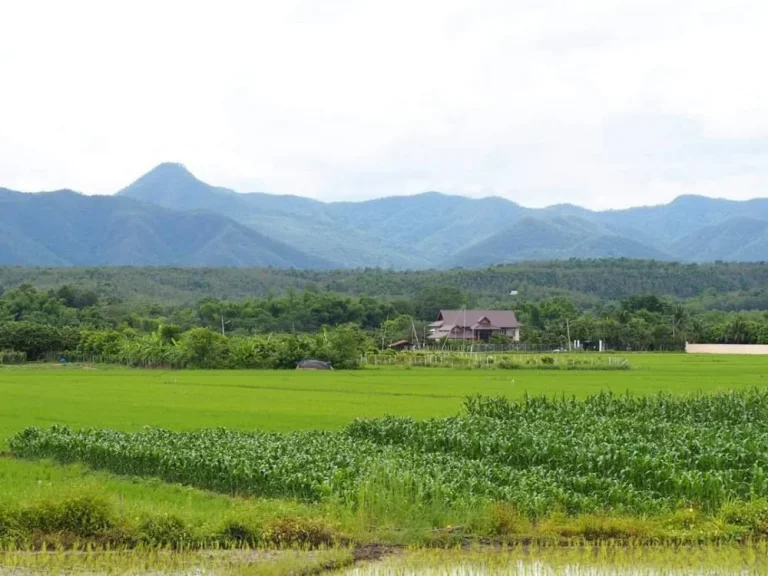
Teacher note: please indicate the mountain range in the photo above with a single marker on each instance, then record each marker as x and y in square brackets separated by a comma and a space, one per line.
[168, 217]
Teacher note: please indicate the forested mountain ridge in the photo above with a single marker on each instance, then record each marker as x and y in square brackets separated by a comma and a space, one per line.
[294, 220]
[559, 237]
[727, 286]
[64, 228]
[433, 229]
[222, 227]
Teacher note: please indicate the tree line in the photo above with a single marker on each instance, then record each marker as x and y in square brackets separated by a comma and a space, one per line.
[277, 332]
[720, 285]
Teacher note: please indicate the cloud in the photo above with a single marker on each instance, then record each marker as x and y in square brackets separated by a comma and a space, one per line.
[602, 103]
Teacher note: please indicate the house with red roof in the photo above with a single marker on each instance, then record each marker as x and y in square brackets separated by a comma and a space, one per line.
[474, 325]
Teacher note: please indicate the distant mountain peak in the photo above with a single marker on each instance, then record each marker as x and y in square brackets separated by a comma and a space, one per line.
[170, 166]
[167, 171]
[685, 199]
[169, 184]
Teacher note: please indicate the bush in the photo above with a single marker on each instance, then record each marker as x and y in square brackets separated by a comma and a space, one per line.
[12, 357]
[506, 520]
[36, 340]
[165, 530]
[597, 527]
[82, 517]
[686, 519]
[239, 533]
[293, 531]
[752, 515]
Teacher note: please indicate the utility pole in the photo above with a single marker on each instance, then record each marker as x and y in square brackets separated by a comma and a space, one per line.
[568, 331]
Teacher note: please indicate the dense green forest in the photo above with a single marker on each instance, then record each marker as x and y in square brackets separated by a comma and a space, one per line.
[589, 283]
[314, 314]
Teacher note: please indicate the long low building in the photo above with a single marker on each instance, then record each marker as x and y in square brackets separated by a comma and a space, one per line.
[474, 325]
[750, 349]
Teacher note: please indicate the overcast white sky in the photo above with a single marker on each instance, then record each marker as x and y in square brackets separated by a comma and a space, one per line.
[603, 103]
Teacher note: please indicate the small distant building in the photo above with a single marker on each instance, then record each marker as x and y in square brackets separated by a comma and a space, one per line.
[314, 365]
[474, 325]
[400, 345]
[760, 349]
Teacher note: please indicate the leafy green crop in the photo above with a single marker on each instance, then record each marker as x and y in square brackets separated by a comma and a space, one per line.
[619, 453]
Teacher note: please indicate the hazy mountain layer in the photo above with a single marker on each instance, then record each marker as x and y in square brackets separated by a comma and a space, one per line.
[169, 217]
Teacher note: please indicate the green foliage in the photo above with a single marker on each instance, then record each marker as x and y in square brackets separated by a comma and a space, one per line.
[35, 340]
[719, 286]
[626, 454]
[429, 301]
[206, 349]
[164, 531]
[343, 346]
[82, 517]
[575, 298]
[76, 520]
[201, 348]
[12, 357]
[101, 344]
[398, 328]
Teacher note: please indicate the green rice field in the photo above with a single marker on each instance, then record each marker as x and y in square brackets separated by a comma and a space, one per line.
[127, 399]
[162, 508]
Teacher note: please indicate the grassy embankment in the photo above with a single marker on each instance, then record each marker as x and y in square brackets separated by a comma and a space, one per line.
[151, 511]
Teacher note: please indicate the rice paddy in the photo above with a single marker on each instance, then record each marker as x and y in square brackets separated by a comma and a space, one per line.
[284, 401]
[604, 560]
[253, 403]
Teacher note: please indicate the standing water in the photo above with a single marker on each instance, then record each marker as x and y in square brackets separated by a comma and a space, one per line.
[586, 561]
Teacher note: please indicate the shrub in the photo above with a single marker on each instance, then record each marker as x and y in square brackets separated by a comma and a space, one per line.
[82, 517]
[753, 515]
[293, 530]
[506, 520]
[165, 530]
[237, 532]
[12, 357]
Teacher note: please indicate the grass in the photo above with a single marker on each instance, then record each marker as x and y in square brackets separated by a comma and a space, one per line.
[152, 561]
[27, 482]
[127, 399]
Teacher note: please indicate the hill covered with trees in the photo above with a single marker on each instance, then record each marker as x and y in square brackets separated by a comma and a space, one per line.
[103, 313]
[727, 286]
[168, 217]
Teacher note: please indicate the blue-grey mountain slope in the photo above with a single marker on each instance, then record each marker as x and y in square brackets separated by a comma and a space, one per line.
[65, 228]
[307, 224]
[168, 216]
[555, 238]
[433, 229]
[737, 240]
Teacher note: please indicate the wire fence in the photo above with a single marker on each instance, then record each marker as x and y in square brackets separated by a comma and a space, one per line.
[497, 361]
[546, 348]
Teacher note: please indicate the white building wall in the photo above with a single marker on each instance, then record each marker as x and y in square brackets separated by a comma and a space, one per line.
[726, 348]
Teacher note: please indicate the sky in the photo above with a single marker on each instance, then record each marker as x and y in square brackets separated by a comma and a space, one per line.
[601, 103]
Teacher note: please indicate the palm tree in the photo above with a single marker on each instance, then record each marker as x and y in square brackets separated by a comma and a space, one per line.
[737, 330]
[679, 320]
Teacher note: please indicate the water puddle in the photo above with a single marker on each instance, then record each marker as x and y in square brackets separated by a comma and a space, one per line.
[601, 561]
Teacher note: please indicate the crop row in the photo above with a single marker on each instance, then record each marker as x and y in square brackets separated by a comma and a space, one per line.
[621, 453]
